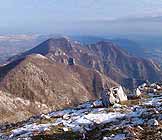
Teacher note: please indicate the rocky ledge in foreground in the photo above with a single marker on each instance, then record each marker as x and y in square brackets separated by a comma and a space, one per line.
[137, 119]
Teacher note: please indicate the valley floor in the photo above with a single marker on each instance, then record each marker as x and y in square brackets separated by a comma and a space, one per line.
[136, 119]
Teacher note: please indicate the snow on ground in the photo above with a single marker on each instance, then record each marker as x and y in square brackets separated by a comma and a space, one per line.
[103, 117]
[153, 101]
[116, 137]
[74, 119]
[86, 116]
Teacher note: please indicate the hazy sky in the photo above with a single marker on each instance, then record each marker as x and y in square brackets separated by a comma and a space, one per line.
[70, 15]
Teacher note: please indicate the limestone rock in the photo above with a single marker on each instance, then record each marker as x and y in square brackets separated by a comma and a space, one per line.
[137, 92]
[113, 99]
[119, 94]
[112, 96]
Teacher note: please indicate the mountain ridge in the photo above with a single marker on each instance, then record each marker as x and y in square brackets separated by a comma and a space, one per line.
[103, 56]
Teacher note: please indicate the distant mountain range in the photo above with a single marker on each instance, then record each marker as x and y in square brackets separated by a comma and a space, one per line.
[141, 46]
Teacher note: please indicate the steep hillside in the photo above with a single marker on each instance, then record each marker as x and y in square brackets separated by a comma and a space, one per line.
[122, 67]
[48, 85]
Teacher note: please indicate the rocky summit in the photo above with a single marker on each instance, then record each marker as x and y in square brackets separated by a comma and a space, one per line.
[136, 119]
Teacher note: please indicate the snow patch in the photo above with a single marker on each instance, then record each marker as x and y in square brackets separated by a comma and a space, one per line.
[40, 56]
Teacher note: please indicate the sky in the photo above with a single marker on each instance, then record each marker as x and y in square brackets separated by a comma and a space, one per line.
[84, 16]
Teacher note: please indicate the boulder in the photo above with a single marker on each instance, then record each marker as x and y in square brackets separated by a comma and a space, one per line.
[144, 86]
[119, 94]
[158, 87]
[97, 103]
[105, 98]
[113, 96]
[153, 85]
[65, 129]
[153, 122]
[135, 95]
[137, 92]
[112, 99]
[108, 98]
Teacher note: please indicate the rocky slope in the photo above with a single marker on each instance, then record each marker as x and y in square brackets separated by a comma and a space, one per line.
[103, 56]
[36, 84]
[137, 119]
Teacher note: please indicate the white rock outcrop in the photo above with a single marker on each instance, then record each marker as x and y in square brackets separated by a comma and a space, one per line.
[137, 92]
[119, 94]
[112, 96]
